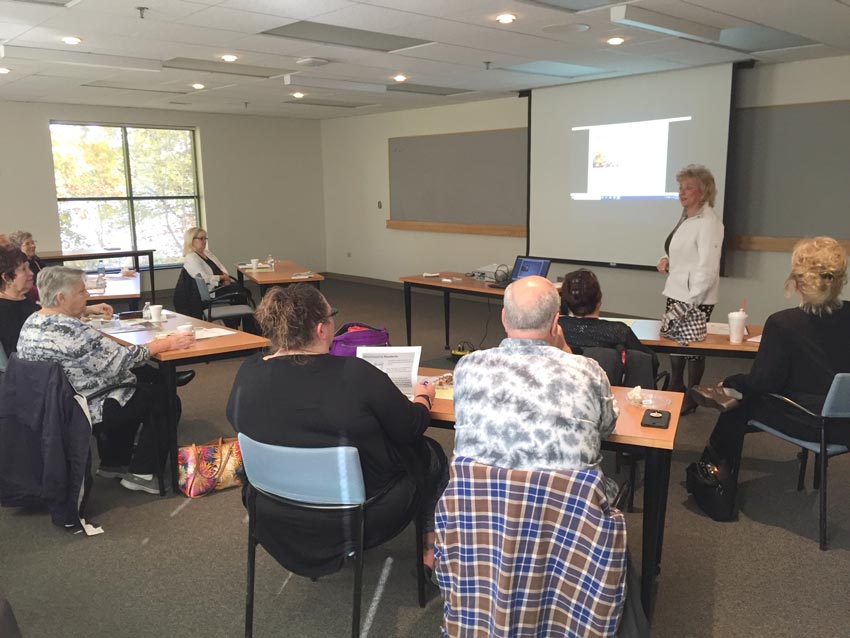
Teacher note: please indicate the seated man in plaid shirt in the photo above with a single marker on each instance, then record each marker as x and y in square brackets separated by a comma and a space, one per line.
[530, 404]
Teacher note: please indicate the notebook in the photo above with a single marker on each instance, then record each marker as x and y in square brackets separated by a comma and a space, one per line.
[525, 267]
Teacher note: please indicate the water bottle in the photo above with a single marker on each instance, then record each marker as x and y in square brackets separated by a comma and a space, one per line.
[146, 311]
[270, 261]
[101, 274]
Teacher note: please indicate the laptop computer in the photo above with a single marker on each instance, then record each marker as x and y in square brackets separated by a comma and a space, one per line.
[525, 267]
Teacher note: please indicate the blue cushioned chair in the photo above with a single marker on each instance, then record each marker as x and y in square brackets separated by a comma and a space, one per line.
[311, 478]
[836, 409]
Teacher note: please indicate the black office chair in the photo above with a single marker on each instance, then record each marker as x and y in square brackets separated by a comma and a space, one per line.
[834, 415]
[628, 368]
[312, 479]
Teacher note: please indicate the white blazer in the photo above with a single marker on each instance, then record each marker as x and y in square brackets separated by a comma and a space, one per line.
[194, 265]
[694, 270]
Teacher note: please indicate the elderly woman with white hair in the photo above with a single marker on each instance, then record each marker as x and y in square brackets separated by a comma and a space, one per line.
[801, 350]
[92, 361]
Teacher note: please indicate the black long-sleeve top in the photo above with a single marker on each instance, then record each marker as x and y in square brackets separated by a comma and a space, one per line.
[799, 355]
[13, 314]
[589, 332]
[327, 401]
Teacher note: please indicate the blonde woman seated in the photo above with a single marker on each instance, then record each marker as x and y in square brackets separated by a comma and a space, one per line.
[801, 350]
[92, 361]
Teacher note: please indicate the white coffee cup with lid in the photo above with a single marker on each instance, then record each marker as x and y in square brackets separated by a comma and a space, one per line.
[737, 326]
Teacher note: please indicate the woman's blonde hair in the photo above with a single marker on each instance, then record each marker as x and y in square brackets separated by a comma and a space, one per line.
[705, 179]
[818, 273]
[188, 237]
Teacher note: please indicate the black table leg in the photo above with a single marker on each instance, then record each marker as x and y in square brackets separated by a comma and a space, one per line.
[657, 468]
[447, 315]
[151, 273]
[169, 375]
[407, 309]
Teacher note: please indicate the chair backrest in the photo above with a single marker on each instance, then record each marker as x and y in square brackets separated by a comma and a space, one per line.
[638, 369]
[837, 404]
[3, 359]
[187, 299]
[319, 476]
[508, 533]
[609, 359]
[206, 297]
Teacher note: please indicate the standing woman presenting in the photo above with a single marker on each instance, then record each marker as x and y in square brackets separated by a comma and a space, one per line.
[692, 263]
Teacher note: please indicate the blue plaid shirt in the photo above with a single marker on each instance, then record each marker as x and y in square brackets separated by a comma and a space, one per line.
[522, 553]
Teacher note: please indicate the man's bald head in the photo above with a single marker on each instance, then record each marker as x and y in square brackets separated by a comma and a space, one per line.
[530, 305]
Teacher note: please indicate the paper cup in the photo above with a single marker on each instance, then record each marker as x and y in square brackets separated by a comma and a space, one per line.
[737, 326]
[96, 323]
[156, 312]
[254, 263]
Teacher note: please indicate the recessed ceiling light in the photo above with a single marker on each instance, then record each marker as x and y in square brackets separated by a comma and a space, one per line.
[505, 18]
[229, 57]
[298, 95]
[198, 86]
[71, 39]
[400, 77]
[4, 70]
[615, 42]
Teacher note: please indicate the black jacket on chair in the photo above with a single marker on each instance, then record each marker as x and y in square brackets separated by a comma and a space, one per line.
[187, 299]
[45, 454]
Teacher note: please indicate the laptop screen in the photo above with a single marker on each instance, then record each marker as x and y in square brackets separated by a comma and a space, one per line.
[527, 266]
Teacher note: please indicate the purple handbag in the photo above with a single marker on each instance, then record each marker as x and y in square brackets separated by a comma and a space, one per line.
[354, 334]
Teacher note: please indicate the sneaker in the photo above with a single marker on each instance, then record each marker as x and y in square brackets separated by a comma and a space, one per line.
[111, 472]
[710, 396]
[141, 484]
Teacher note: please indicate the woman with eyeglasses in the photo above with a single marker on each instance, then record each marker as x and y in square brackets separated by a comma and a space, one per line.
[302, 396]
[199, 260]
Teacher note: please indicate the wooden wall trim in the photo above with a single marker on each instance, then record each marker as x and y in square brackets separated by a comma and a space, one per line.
[768, 244]
[466, 229]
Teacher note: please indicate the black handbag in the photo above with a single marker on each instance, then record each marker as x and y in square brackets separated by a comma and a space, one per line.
[713, 487]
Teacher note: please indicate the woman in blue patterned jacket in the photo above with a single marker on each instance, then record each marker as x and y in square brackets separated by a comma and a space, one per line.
[93, 361]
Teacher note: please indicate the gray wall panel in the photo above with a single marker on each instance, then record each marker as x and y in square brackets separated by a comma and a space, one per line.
[463, 178]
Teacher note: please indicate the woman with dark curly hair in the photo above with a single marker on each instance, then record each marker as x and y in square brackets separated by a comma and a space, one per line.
[801, 350]
[301, 396]
[581, 302]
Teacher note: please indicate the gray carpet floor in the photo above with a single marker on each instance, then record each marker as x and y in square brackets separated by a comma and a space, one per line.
[176, 567]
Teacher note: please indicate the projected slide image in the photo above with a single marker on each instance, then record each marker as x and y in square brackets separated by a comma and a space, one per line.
[627, 160]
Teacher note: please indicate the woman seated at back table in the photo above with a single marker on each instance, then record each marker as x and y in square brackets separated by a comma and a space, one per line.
[93, 361]
[801, 350]
[301, 396]
[16, 305]
[199, 260]
[23, 241]
[581, 297]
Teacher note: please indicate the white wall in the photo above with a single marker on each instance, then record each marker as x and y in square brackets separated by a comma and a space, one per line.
[354, 154]
[356, 170]
[261, 179]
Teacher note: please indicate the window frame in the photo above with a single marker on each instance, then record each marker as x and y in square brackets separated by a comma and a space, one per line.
[128, 177]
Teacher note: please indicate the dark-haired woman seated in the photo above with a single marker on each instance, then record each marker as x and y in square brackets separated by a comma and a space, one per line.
[581, 301]
[301, 396]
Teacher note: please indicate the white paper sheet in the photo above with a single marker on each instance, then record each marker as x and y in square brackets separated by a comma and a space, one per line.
[400, 363]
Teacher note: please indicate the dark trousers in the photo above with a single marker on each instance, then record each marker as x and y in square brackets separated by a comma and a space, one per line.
[727, 438]
[116, 433]
[427, 463]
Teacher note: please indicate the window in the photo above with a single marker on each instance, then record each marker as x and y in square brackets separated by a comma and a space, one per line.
[123, 187]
